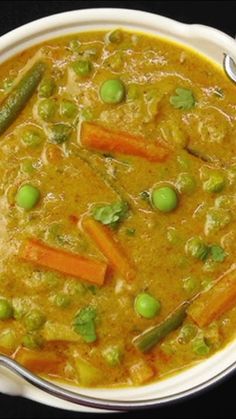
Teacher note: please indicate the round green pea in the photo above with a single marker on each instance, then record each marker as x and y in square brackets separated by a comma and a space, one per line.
[146, 305]
[6, 310]
[62, 300]
[32, 341]
[186, 183]
[31, 138]
[197, 248]
[68, 109]
[82, 67]
[47, 109]
[27, 166]
[60, 133]
[34, 320]
[115, 37]
[164, 199]
[112, 91]
[215, 183]
[27, 197]
[47, 87]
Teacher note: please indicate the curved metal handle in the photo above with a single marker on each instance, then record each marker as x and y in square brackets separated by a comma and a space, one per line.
[70, 396]
[229, 67]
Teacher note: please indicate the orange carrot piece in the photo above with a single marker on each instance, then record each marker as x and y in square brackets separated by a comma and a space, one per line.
[213, 303]
[40, 362]
[109, 247]
[65, 262]
[96, 137]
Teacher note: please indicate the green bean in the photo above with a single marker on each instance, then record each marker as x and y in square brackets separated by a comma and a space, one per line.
[150, 337]
[32, 341]
[20, 95]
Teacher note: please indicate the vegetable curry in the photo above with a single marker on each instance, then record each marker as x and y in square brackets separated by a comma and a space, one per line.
[117, 194]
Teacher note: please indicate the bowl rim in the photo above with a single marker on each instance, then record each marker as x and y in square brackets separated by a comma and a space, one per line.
[126, 18]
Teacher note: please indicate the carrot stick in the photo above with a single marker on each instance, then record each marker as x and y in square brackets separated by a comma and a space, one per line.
[109, 247]
[65, 262]
[41, 362]
[213, 303]
[96, 137]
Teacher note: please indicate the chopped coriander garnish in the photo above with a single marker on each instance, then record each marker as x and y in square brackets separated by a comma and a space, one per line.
[184, 99]
[217, 253]
[84, 324]
[110, 214]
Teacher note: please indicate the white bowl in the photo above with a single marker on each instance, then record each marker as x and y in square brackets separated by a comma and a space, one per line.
[206, 40]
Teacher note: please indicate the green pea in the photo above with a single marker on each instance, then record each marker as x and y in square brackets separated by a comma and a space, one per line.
[190, 284]
[200, 347]
[115, 37]
[47, 87]
[8, 340]
[32, 341]
[113, 355]
[164, 199]
[112, 91]
[68, 109]
[27, 166]
[215, 183]
[196, 248]
[6, 309]
[224, 201]
[216, 219]
[186, 183]
[27, 197]
[146, 305]
[47, 109]
[62, 300]
[82, 67]
[34, 320]
[60, 133]
[31, 138]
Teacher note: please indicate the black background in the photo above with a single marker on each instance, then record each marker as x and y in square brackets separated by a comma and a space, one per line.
[215, 403]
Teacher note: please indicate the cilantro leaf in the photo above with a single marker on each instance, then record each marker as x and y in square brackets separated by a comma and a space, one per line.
[84, 324]
[217, 253]
[184, 99]
[110, 214]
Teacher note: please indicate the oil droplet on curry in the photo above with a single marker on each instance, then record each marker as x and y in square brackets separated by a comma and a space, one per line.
[117, 196]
